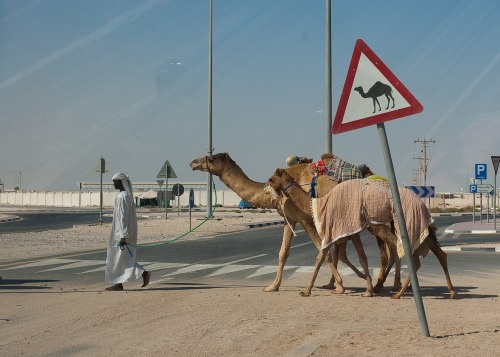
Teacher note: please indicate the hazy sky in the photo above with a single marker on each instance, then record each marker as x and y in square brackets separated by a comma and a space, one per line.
[128, 81]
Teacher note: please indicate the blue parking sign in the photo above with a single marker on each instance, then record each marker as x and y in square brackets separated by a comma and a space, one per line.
[481, 171]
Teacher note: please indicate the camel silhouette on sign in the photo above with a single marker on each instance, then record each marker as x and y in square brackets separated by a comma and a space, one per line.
[377, 90]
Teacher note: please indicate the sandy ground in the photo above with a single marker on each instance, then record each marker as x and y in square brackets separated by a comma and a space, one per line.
[234, 318]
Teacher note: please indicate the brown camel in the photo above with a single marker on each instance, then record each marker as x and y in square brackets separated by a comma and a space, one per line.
[368, 202]
[377, 90]
[232, 176]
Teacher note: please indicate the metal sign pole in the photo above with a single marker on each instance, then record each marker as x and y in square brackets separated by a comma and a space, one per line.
[166, 196]
[178, 201]
[496, 162]
[402, 228]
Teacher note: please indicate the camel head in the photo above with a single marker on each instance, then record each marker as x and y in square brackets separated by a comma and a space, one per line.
[215, 164]
[280, 181]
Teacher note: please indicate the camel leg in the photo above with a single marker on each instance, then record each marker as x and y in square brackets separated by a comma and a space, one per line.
[356, 240]
[283, 256]
[397, 270]
[401, 291]
[385, 266]
[339, 289]
[320, 258]
[342, 255]
[383, 233]
[443, 260]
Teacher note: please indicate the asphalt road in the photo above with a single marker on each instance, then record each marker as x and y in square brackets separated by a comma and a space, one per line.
[48, 220]
[244, 258]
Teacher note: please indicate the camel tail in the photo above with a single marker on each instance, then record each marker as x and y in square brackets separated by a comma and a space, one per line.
[432, 234]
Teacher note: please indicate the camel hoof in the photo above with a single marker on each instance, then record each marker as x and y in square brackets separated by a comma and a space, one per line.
[377, 288]
[396, 287]
[339, 290]
[305, 294]
[271, 288]
[395, 296]
[453, 294]
[367, 294]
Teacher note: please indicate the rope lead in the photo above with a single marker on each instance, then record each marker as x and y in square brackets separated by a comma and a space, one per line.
[183, 235]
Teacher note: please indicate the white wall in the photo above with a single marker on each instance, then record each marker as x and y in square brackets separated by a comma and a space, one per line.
[226, 198]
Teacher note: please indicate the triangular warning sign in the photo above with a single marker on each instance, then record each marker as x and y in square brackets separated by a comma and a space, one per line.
[372, 94]
[166, 171]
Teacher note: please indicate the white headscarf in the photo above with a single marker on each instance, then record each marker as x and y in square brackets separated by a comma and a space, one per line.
[127, 185]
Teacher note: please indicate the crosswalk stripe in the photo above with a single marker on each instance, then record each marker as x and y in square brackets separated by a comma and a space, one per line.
[194, 268]
[80, 264]
[231, 269]
[41, 263]
[160, 266]
[268, 270]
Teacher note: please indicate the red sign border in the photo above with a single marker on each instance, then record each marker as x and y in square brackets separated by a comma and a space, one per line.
[414, 108]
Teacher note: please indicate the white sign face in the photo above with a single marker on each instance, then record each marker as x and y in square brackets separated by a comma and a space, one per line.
[361, 103]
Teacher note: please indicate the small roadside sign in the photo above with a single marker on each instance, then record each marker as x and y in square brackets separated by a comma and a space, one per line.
[496, 161]
[422, 191]
[166, 171]
[372, 94]
[177, 189]
[481, 171]
[481, 188]
[484, 188]
[191, 198]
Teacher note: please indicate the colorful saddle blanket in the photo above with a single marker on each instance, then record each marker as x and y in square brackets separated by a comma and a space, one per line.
[340, 170]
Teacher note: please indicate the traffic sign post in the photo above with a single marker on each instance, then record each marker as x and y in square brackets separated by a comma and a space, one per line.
[367, 71]
[496, 161]
[166, 172]
[178, 190]
[191, 205]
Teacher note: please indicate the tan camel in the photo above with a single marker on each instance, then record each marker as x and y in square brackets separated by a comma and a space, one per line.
[232, 176]
[251, 191]
[372, 203]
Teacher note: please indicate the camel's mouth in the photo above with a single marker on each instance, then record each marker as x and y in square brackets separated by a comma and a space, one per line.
[196, 165]
[271, 191]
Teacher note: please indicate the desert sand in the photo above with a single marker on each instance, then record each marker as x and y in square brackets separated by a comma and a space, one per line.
[234, 318]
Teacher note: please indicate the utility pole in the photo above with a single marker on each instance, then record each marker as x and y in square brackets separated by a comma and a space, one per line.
[423, 161]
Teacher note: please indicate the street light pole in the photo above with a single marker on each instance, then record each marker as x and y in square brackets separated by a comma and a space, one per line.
[328, 111]
[209, 151]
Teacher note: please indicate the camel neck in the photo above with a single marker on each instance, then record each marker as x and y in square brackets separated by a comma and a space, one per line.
[298, 196]
[248, 190]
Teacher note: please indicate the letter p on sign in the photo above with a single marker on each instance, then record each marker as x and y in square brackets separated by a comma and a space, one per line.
[481, 171]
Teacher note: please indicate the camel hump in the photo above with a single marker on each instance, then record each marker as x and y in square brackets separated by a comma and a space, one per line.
[379, 84]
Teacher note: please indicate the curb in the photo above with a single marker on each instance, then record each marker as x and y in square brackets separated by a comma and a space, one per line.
[265, 224]
[10, 219]
[469, 249]
[471, 231]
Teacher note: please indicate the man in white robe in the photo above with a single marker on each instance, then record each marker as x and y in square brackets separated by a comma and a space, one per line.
[121, 260]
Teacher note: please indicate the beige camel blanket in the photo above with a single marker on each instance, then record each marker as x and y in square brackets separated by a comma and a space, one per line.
[352, 205]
